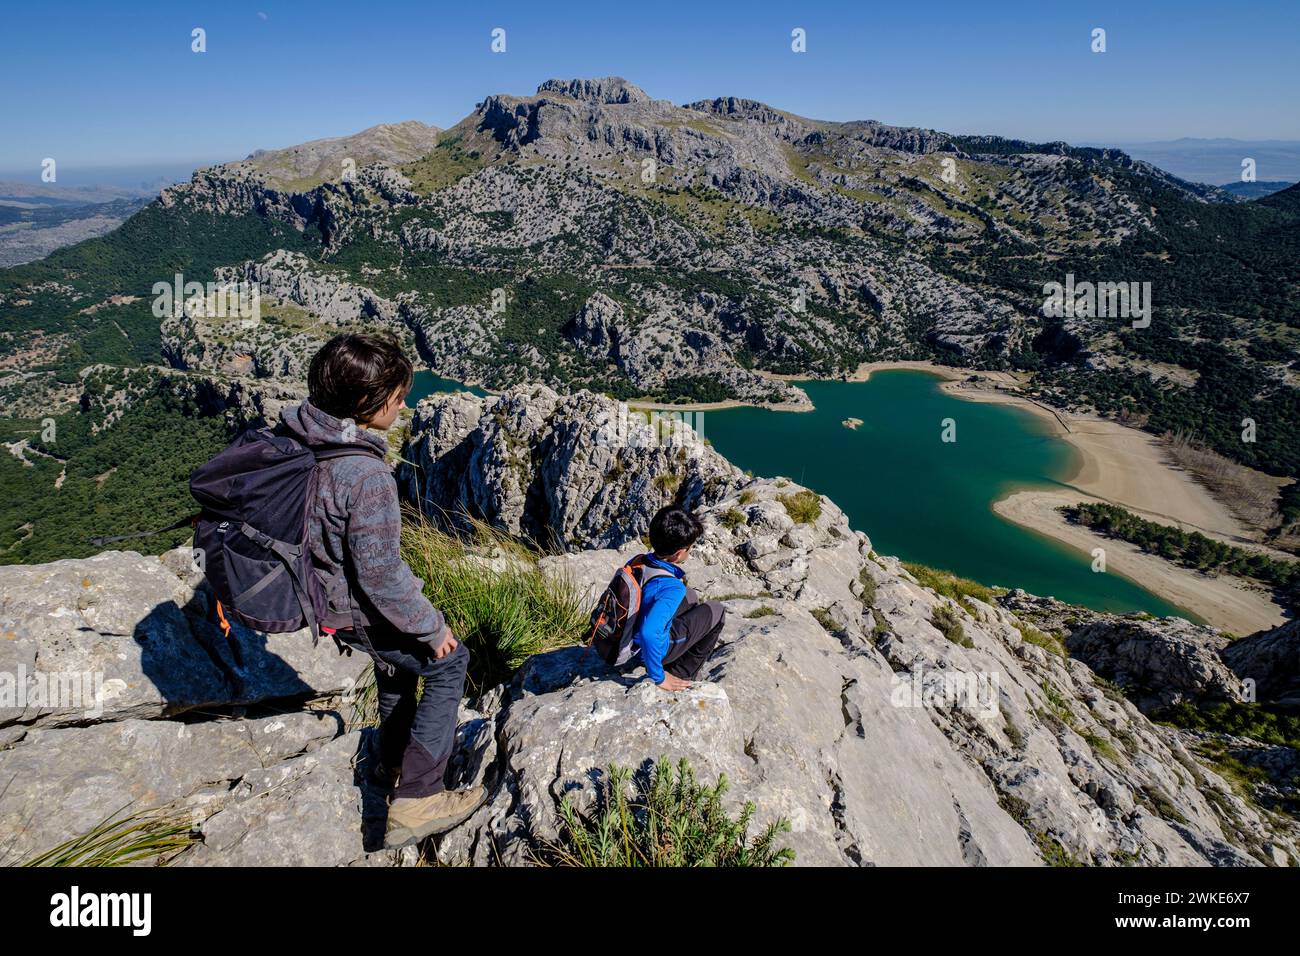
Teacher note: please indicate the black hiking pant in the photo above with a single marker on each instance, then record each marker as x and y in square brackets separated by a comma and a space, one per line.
[417, 734]
[693, 635]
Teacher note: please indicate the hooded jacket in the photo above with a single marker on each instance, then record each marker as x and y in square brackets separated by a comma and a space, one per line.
[661, 597]
[354, 532]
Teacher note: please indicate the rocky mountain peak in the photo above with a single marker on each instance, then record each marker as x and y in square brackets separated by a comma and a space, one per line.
[602, 89]
[738, 107]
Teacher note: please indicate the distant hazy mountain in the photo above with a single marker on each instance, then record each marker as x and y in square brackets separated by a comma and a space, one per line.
[1254, 190]
[35, 220]
[136, 179]
[1218, 161]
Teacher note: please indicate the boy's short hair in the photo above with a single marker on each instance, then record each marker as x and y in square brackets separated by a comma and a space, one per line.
[673, 528]
[355, 374]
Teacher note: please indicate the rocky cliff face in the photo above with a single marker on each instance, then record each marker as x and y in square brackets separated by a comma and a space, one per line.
[887, 723]
[513, 462]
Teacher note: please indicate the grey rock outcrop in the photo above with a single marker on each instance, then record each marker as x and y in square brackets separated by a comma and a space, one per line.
[62, 782]
[121, 636]
[606, 89]
[1271, 660]
[894, 745]
[1159, 663]
[575, 472]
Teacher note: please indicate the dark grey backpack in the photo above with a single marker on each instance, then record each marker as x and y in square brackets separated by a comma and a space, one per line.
[251, 535]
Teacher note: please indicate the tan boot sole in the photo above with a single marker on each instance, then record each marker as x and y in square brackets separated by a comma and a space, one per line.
[399, 836]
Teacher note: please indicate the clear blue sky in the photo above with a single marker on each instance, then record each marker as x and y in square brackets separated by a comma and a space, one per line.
[95, 84]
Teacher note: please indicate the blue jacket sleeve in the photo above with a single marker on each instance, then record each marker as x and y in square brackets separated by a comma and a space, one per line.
[655, 623]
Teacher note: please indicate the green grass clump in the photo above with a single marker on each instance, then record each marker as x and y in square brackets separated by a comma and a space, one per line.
[763, 610]
[1101, 747]
[731, 518]
[494, 596]
[1060, 707]
[946, 620]
[670, 821]
[868, 587]
[804, 507]
[668, 482]
[1242, 776]
[1050, 850]
[1047, 642]
[947, 584]
[746, 497]
[823, 617]
[880, 626]
[149, 835]
[1255, 721]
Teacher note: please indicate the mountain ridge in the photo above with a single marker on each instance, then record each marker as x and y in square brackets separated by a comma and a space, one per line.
[648, 250]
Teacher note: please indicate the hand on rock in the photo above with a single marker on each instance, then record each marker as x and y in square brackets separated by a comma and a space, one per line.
[672, 682]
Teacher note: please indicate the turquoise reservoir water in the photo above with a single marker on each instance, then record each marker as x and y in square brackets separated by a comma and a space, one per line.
[425, 384]
[915, 495]
[919, 497]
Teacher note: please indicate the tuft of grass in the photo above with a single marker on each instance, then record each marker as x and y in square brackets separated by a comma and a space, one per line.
[880, 626]
[364, 697]
[667, 482]
[1060, 707]
[1101, 747]
[1256, 721]
[1047, 642]
[149, 835]
[731, 518]
[747, 496]
[1243, 777]
[868, 587]
[762, 610]
[823, 617]
[948, 584]
[496, 599]
[1052, 852]
[804, 507]
[1014, 733]
[671, 820]
[946, 620]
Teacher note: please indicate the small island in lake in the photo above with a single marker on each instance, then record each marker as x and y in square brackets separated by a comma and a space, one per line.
[852, 423]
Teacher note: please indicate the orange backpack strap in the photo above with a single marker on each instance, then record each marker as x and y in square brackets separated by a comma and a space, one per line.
[221, 619]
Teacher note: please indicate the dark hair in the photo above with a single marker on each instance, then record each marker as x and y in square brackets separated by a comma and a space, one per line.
[673, 528]
[355, 374]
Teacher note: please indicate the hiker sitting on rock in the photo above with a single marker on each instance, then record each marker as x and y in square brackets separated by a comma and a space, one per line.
[648, 608]
[357, 386]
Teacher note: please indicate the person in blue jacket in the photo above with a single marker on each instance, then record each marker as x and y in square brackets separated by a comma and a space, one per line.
[675, 631]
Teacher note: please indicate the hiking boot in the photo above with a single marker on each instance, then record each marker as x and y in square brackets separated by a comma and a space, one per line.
[411, 819]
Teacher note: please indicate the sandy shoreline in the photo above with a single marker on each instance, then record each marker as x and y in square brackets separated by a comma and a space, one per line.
[1127, 467]
[1224, 602]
